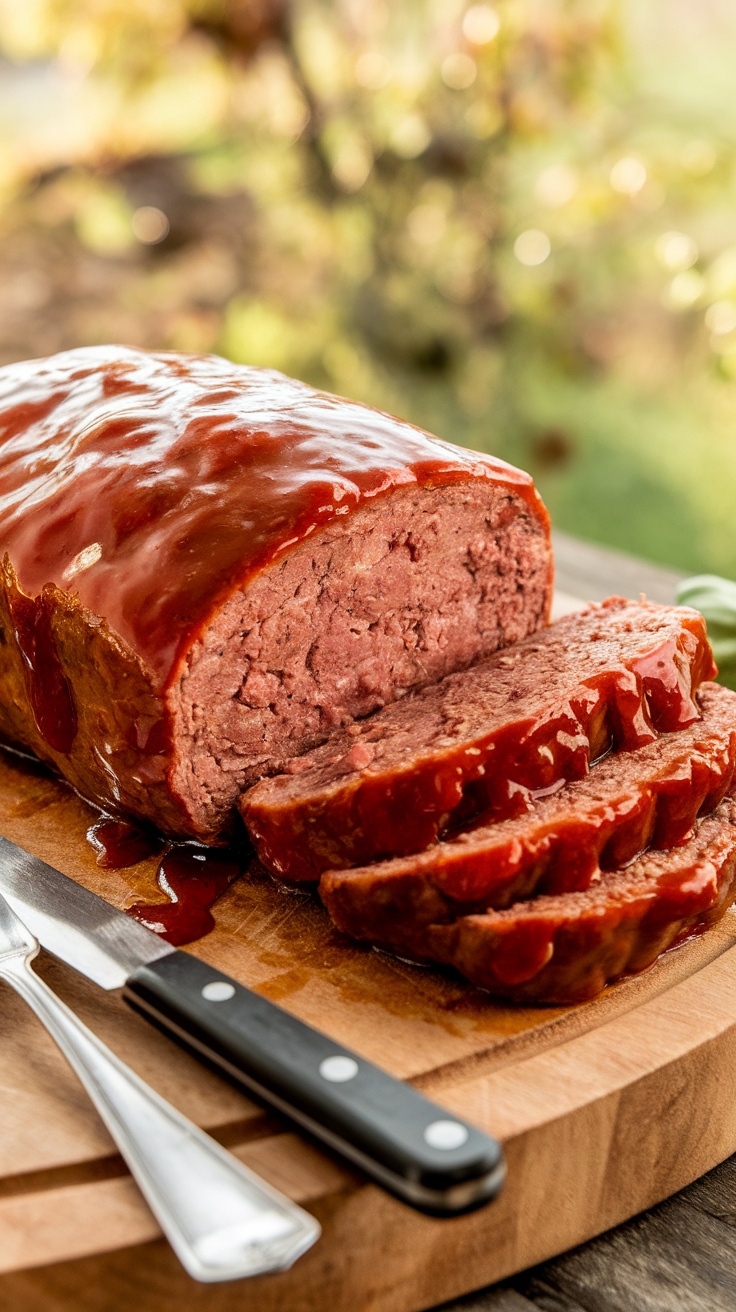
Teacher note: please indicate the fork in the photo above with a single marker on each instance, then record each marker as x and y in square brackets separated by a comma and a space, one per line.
[222, 1221]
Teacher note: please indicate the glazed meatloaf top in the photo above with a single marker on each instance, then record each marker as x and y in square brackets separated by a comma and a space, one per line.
[154, 485]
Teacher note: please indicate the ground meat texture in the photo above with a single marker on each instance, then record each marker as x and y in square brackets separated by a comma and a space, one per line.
[628, 802]
[526, 719]
[347, 623]
[568, 948]
[208, 569]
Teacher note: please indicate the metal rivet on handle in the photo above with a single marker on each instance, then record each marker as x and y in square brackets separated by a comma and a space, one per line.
[446, 1135]
[218, 991]
[338, 1069]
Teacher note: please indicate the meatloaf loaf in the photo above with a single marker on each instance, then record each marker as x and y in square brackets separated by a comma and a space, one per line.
[567, 948]
[208, 569]
[629, 801]
[527, 718]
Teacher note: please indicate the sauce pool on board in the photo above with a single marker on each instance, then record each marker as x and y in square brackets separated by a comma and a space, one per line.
[191, 877]
[192, 880]
[120, 843]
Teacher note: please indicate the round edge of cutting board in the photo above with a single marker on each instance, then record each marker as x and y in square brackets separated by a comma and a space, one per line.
[596, 1129]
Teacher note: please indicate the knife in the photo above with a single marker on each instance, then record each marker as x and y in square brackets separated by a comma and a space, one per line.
[428, 1158]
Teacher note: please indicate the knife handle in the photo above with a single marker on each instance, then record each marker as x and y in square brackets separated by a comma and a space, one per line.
[427, 1157]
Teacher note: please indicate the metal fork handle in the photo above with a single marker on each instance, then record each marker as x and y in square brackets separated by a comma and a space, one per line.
[222, 1221]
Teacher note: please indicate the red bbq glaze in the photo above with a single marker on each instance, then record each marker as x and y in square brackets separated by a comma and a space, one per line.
[649, 798]
[192, 879]
[566, 949]
[154, 485]
[49, 693]
[452, 752]
[120, 843]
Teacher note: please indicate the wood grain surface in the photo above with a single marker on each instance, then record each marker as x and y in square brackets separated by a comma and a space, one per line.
[678, 1257]
[604, 1109]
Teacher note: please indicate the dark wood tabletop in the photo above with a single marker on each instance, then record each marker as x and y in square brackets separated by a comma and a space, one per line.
[680, 1256]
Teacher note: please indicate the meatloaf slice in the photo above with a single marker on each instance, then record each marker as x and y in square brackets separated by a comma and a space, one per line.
[630, 800]
[527, 718]
[209, 568]
[567, 948]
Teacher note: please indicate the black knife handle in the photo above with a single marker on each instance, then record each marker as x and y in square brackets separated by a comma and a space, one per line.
[424, 1155]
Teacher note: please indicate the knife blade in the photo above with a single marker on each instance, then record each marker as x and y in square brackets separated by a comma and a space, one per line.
[430, 1159]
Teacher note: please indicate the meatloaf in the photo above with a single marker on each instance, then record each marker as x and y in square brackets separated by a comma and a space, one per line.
[567, 948]
[527, 718]
[209, 569]
[629, 801]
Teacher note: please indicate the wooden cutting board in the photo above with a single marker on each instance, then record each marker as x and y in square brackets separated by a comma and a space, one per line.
[604, 1109]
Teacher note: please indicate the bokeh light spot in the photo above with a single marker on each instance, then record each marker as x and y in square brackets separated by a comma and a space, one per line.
[676, 250]
[628, 175]
[410, 136]
[426, 224]
[150, 225]
[352, 165]
[458, 71]
[685, 289]
[532, 247]
[557, 185]
[720, 317]
[480, 24]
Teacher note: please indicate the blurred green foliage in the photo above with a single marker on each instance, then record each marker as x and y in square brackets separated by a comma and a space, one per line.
[512, 224]
[715, 598]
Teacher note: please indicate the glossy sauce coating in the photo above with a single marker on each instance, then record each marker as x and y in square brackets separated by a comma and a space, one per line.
[192, 880]
[629, 802]
[566, 949]
[121, 843]
[49, 691]
[191, 877]
[154, 485]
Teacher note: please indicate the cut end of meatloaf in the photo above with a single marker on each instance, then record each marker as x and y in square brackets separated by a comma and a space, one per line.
[395, 595]
[567, 949]
[628, 802]
[528, 718]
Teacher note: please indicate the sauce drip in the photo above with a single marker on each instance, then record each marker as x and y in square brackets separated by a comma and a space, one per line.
[49, 692]
[120, 843]
[192, 878]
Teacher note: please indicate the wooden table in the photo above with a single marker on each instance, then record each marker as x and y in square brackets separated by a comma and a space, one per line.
[680, 1256]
